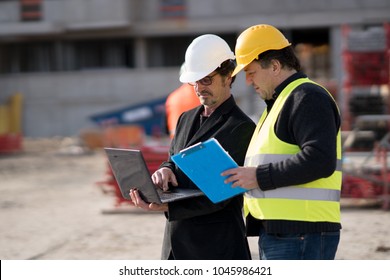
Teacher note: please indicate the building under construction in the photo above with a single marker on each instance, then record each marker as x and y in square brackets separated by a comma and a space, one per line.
[71, 59]
[66, 65]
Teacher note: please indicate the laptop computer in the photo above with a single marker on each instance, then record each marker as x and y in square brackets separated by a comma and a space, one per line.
[130, 171]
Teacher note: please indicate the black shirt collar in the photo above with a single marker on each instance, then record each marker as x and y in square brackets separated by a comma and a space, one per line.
[280, 88]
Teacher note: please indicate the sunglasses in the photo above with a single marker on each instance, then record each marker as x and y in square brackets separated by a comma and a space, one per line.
[206, 81]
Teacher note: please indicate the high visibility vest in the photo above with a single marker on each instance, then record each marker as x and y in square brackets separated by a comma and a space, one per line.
[316, 201]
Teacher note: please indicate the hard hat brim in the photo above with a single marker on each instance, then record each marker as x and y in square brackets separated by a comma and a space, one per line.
[238, 69]
[192, 77]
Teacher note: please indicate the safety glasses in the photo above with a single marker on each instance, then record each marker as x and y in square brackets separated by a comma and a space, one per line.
[206, 81]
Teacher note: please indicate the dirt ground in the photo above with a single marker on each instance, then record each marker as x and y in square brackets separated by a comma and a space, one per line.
[52, 208]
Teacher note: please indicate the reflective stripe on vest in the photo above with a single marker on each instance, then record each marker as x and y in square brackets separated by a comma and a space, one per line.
[314, 201]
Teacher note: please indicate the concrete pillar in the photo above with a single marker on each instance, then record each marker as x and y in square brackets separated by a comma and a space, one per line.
[140, 53]
[336, 57]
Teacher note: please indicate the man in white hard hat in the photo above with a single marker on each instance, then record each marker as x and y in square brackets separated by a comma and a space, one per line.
[196, 228]
[293, 163]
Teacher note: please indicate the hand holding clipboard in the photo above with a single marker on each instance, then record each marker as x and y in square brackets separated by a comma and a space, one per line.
[203, 163]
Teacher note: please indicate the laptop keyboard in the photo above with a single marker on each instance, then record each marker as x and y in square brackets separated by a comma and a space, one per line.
[179, 194]
[168, 195]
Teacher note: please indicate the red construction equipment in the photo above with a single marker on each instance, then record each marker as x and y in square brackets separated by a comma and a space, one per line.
[367, 174]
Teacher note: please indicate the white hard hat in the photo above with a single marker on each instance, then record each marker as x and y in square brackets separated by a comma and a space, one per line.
[203, 56]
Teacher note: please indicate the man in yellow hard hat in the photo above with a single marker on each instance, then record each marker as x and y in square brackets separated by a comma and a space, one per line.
[293, 164]
[196, 228]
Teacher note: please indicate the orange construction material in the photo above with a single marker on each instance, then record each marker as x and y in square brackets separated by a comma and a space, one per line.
[180, 100]
[123, 136]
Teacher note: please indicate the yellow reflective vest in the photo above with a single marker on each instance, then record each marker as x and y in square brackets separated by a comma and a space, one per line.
[316, 201]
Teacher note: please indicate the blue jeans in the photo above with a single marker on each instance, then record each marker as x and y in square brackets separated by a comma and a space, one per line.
[309, 246]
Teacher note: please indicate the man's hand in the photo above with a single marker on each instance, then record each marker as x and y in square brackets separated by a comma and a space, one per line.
[162, 177]
[244, 177]
[138, 202]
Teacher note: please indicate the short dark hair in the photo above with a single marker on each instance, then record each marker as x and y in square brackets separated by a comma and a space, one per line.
[227, 67]
[285, 56]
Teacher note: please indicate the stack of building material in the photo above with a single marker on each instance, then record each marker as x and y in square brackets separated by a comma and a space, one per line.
[11, 136]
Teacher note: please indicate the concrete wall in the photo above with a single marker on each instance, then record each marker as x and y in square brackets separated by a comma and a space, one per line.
[60, 103]
[9, 12]
[144, 17]
[87, 13]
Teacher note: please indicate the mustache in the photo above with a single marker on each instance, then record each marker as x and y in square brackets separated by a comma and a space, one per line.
[203, 93]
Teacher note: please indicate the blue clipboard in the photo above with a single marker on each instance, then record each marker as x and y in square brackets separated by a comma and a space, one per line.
[203, 163]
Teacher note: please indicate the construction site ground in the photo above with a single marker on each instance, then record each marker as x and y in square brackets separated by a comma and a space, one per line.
[51, 208]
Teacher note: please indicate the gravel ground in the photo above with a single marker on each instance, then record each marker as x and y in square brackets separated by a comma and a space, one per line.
[52, 208]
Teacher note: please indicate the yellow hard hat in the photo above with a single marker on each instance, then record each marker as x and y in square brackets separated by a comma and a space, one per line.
[256, 40]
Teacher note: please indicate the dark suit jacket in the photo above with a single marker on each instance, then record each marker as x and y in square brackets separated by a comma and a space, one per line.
[196, 228]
